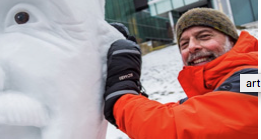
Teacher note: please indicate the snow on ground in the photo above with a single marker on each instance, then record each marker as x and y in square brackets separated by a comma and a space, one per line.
[159, 77]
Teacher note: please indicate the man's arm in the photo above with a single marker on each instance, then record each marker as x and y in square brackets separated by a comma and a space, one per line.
[123, 74]
[219, 114]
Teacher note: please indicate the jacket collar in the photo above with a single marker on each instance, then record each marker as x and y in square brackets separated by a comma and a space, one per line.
[198, 80]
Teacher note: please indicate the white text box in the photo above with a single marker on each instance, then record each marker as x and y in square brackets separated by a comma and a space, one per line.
[250, 82]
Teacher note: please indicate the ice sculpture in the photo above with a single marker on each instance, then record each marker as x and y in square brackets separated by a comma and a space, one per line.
[52, 68]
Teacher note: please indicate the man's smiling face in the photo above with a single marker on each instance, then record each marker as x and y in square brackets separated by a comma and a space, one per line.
[200, 45]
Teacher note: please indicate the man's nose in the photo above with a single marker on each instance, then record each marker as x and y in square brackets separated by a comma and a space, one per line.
[194, 46]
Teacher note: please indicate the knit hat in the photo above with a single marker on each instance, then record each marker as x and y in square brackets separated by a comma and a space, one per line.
[206, 17]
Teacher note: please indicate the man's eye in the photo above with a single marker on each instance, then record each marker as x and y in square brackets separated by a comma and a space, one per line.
[206, 36]
[21, 17]
[183, 45]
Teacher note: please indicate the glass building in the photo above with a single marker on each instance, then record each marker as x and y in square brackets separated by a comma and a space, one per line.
[155, 20]
[239, 11]
[140, 22]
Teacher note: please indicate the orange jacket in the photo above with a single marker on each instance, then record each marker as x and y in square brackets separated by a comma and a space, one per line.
[208, 113]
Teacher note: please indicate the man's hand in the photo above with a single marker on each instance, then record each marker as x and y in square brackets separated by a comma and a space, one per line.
[124, 30]
[123, 74]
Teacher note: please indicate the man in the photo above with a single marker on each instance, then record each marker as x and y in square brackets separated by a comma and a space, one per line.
[214, 57]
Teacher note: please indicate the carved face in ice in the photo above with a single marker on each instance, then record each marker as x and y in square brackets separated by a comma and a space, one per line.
[52, 68]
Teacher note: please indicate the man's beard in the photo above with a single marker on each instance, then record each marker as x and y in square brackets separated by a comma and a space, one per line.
[209, 55]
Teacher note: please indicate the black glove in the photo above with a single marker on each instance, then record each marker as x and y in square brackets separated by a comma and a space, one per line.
[123, 74]
[124, 30]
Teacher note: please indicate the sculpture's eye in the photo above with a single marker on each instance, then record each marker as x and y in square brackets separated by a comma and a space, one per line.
[21, 17]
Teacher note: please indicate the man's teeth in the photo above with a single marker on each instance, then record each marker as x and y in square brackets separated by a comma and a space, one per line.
[200, 60]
